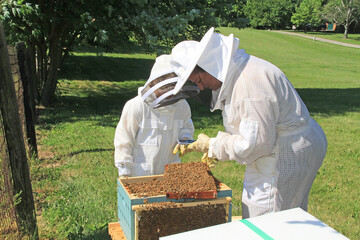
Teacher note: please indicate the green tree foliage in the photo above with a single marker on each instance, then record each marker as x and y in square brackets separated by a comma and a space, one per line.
[166, 21]
[343, 12]
[307, 14]
[272, 14]
[230, 13]
[51, 28]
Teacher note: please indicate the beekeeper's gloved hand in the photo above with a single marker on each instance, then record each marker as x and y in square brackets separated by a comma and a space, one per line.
[181, 148]
[123, 177]
[210, 161]
[200, 145]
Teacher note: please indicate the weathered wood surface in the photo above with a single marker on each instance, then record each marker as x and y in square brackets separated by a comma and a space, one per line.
[115, 231]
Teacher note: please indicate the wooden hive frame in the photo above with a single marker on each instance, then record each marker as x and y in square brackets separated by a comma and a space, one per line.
[225, 201]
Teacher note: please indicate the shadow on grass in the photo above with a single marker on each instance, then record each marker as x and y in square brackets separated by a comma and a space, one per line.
[331, 101]
[124, 48]
[105, 107]
[96, 235]
[103, 68]
[91, 151]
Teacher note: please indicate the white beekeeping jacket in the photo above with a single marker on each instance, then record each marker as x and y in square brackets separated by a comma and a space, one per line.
[269, 129]
[267, 125]
[145, 137]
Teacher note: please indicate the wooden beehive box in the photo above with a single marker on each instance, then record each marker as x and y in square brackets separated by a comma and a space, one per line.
[130, 207]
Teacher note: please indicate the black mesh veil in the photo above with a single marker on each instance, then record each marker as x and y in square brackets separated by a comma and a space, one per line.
[159, 89]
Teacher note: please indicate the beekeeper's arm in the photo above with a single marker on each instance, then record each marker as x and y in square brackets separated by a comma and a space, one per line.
[257, 133]
[125, 136]
[256, 109]
[187, 131]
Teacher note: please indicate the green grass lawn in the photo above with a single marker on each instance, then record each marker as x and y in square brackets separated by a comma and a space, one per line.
[74, 180]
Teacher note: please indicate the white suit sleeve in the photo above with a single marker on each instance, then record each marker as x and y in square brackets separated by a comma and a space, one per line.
[255, 109]
[187, 131]
[125, 136]
[256, 137]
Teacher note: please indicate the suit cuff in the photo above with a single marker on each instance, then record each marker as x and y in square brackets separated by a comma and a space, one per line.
[212, 142]
[123, 171]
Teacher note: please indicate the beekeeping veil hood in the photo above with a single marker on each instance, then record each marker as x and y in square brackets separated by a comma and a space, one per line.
[159, 91]
[213, 54]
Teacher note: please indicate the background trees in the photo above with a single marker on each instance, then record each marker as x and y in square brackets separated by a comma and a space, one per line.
[307, 14]
[51, 28]
[273, 14]
[343, 12]
[230, 13]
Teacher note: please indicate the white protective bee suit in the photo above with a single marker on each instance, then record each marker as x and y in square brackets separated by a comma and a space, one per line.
[145, 136]
[267, 126]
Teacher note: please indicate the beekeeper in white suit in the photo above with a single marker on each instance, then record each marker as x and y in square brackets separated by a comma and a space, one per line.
[152, 122]
[267, 126]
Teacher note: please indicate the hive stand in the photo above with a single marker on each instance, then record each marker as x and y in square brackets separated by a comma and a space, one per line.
[115, 231]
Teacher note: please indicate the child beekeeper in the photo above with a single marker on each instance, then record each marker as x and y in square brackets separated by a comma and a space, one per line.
[152, 122]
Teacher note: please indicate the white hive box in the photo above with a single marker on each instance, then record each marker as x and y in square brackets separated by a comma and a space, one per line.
[294, 224]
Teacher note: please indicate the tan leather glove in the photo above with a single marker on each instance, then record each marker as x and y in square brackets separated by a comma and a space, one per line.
[200, 145]
[179, 148]
[210, 161]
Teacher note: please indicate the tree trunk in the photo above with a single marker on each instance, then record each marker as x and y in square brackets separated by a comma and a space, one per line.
[346, 31]
[55, 55]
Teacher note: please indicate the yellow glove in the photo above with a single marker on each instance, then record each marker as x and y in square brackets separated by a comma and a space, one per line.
[200, 145]
[210, 161]
[180, 148]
